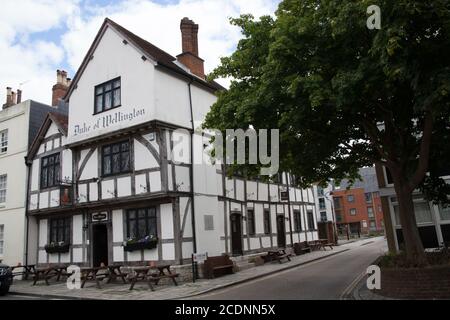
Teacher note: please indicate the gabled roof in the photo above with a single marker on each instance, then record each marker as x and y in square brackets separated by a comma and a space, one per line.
[60, 120]
[161, 57]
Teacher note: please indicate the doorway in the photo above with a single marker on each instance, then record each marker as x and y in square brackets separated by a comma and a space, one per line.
[99, 244]
[236, 234]
[281, 232]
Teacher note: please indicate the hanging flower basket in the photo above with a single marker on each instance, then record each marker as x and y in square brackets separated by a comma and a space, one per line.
[142, 244]
[57, 247]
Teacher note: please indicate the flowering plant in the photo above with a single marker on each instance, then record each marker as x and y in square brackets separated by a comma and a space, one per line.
[148, 242]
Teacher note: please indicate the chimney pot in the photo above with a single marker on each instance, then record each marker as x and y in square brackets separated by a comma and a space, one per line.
[61, 87]
[19, 96]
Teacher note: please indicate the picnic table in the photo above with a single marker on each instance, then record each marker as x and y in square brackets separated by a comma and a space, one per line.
[278, 255]
[320, 244]
[94, 274]
[146, 274]
[142, 274]
[325, 243]
[115, 272]
[27, 270]
[49, 272]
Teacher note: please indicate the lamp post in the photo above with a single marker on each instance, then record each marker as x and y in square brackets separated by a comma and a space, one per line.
[330, 193]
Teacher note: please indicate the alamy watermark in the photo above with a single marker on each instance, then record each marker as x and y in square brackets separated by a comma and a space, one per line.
[237, 146]
[374, 20]
[374, 277]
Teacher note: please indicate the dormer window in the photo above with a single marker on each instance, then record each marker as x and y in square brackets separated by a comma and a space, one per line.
[107, 96]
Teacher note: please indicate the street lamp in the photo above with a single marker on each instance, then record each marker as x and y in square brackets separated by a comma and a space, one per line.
[330, 193]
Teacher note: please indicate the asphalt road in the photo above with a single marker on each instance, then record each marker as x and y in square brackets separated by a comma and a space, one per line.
[325, 279]
[20, 297]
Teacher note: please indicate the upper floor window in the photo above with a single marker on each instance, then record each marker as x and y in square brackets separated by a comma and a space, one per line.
[107, 96]
[323, 216]
[3, 141]
[50, 171]
[368, 197]
[141, 223]
[60, 230]
[297, 221]
[350, 198]
[251, 222]
[370, 212]
[3, 188]
[116, 158]
[320, 192]
[353, 212]
[322, 204]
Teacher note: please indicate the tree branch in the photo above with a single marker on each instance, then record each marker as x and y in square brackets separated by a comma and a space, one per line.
[424, 154]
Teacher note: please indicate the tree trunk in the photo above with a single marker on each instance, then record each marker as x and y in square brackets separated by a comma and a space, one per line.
[415, 254]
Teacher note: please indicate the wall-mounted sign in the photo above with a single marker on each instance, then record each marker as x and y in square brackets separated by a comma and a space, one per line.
[105, 121]
[65, 195]
[199, 257]
[284, 195]
[100, 216]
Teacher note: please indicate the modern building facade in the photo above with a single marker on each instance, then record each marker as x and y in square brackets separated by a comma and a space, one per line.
[109, 183]
[433, 220]
[19, 124]
[357, 206]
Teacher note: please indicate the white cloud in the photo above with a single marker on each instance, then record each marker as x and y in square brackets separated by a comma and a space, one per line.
[23, 59]
[160, 24]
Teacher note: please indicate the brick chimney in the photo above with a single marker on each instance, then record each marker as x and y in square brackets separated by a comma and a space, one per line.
[19, 96]
[9, 98]
[61, 87]
[189, 57]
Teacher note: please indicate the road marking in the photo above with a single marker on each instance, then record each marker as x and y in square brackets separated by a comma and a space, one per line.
[352, 286]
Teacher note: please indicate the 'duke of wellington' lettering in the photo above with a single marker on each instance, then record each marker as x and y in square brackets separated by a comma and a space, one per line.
[118, 117]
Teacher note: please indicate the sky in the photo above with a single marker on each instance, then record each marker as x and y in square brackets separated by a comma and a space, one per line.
[37, 37]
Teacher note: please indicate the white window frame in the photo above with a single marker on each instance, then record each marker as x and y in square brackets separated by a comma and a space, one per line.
[2, 203]
[3, 141]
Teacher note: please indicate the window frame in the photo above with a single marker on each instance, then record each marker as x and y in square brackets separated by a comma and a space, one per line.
[61, 229]
[251, 222]
[267, 222]
[352, 197]
[149, 218]
[111, 154]
[53, 166]
[297, 221]
[310, 214]
[5, 176]
[4, 142]
[370, 212]
[351, 210]
[104, 93]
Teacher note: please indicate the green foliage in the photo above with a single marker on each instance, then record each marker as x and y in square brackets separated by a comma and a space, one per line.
[317, 73]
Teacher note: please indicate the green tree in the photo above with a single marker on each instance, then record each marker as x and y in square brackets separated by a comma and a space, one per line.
[344, 96]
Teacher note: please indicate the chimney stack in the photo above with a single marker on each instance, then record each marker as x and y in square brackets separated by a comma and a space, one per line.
[9, 98]
[19, 96]
[61, 87]
[189, 57]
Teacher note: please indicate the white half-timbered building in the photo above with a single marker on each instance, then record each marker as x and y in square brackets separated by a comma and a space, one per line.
[105, 177]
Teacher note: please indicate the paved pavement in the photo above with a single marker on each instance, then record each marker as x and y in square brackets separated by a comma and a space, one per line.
[313, 270]
[329, 278]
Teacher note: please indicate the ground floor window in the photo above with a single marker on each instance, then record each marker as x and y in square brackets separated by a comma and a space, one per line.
[251, 222]
[60, 230]
[310, 217]
[297, 221]
[2, 230]
[141, 223]
[267, 225]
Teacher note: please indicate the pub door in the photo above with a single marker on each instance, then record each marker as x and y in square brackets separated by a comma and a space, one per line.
[281, 232]
[99, 244]
[236, 234]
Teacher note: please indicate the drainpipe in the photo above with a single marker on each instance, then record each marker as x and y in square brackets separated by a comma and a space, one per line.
[191, 175]
[28, 165]
[289, 209]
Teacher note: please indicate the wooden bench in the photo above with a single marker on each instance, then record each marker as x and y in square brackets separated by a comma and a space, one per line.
[301, 248]
[218, 266]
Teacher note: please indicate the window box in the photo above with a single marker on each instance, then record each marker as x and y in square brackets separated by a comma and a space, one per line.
[146, 243]
[60, 247]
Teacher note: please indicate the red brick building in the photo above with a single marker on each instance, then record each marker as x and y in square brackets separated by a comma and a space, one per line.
[358, 211]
